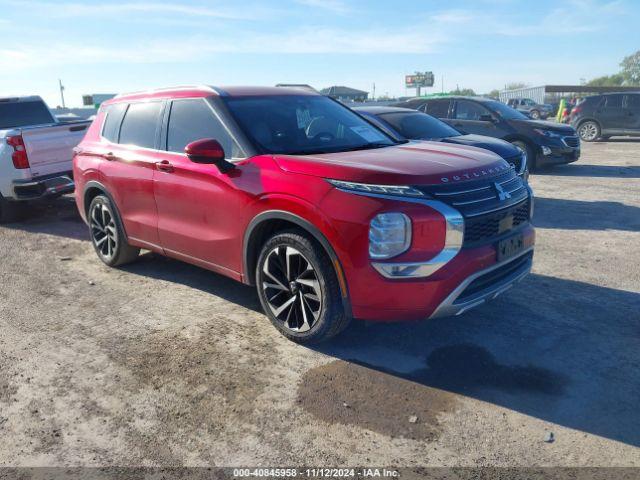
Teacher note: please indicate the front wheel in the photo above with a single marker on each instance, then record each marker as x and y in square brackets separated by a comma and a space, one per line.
[298, 288]
[534, 114]
[530, 153]
[107, 236]
[589, 131]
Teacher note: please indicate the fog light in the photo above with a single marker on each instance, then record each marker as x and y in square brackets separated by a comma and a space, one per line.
[389, 235]
[546, 150]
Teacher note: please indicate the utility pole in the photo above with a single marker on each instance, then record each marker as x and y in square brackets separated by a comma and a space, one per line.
[374, 91]
[442, 84]
[62, 93]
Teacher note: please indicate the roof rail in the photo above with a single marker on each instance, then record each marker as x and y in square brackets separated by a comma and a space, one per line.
[167, 89]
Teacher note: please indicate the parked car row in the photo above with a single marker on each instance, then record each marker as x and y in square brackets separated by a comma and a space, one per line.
[546, 143]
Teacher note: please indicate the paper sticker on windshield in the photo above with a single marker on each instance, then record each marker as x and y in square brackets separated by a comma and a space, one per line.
[368, 133]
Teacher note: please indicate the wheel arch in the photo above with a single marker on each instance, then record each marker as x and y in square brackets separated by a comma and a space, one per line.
[91, 190]
[265, 224]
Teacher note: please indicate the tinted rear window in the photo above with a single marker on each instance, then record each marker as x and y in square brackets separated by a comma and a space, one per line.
[23, 114]
[111, 127]
[140, 124]
[633, 101]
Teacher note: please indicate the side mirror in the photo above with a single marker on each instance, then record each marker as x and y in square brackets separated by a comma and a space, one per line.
[208, 151]
[486, 117]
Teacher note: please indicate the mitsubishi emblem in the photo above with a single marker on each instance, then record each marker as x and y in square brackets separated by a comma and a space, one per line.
[502, 193]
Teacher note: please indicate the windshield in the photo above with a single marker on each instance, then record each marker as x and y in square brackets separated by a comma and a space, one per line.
[418, 126]
[304, 124]
[23, 114]
[505, 111]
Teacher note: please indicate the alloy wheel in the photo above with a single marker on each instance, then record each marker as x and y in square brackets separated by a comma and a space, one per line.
[588, 131]
[291, 288]
[104, 233]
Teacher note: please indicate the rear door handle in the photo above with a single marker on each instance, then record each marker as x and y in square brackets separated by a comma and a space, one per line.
[164, 166]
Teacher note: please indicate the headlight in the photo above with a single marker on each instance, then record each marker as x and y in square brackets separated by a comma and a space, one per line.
[381, 189]
[389, 235]
[547, 133]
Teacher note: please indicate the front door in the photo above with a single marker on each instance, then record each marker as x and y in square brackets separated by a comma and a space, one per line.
[611, 114]
[632, 112]
[197, 205]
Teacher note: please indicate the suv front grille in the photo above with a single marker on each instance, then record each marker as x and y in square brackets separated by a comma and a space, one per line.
[572, 142]
[486, 204]
[492, 225]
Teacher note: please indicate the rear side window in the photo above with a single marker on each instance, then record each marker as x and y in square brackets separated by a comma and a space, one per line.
[192, 120]
[111, 127]
[140, 124]
[633, 101]
[438, 108]
[613, 101]
[466, 110]
[23, 114]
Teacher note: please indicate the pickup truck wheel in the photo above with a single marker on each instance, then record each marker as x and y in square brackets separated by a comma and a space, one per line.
[589, 131]
[298, 288]
[534, 114]
[107, 236]
[9, 211]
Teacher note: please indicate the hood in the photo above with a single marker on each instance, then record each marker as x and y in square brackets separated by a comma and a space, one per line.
[553, 126]
[495, 145]
[414, 163]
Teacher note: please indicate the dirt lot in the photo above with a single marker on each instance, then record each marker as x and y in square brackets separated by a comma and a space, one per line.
[161, 363]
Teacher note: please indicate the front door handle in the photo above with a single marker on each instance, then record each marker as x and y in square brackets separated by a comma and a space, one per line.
[109, 156]
[164, 166]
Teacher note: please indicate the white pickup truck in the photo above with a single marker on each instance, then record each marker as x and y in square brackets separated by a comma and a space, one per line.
[35, 153]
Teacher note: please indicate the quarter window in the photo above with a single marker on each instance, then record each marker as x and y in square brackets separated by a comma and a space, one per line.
[192, 120]
[111, 127]
[140, 124]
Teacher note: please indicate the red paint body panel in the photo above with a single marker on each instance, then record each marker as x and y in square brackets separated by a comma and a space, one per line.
[193, 212]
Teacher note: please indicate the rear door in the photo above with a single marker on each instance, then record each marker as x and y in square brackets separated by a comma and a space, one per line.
[632, 112]
[611, 115]
[472, 117]
[198, 206]
[129, 155]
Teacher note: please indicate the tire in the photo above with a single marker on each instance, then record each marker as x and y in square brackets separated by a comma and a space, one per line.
[534, 115]
[589, 131]
[304, 312]
[9, 211]
[528, 149]
[107, 236]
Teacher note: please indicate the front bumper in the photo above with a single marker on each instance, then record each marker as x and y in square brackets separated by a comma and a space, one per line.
[42, 187]
[557, 153]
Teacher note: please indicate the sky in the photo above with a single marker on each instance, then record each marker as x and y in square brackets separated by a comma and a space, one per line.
[128, 45]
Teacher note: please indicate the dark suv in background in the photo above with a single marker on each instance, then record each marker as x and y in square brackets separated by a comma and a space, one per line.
[602, 116]
[530, 108]
[546, 143]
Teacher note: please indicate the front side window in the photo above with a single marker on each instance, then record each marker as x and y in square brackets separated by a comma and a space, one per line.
[419, 125]
[140, 124]
[303, 124]
[633, 102]
[466, 110]
[192, 120]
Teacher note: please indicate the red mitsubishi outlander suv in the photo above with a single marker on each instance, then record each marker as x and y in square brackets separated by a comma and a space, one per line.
[292, 192]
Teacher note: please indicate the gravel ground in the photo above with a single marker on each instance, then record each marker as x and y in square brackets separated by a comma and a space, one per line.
[164, 364]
